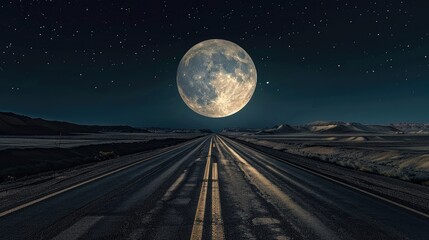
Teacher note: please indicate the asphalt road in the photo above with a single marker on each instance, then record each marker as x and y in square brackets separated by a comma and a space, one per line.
[211, 188]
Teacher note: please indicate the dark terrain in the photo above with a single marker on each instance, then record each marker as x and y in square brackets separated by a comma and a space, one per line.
[14, 124]
[16, 163]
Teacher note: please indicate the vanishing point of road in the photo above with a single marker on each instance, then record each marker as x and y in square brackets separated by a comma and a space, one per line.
[212, 187]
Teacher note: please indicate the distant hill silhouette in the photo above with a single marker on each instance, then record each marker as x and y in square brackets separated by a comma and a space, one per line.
[14, 124]
[412, 127]
[321, 127]
[282, 128]
[180, 130]
[346, 127]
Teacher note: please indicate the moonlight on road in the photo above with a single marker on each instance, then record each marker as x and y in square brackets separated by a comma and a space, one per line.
[216, 78]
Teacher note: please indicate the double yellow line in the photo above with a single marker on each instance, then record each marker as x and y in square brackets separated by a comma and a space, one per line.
[217, 231]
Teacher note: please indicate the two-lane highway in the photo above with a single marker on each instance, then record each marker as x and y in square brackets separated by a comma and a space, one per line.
[212, 188]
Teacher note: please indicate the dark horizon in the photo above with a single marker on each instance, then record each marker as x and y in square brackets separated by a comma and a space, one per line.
[213, 129]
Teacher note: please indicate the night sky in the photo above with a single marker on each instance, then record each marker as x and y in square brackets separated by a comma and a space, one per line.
[115, 62]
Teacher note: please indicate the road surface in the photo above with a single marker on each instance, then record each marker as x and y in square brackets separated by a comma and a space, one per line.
[209, 188]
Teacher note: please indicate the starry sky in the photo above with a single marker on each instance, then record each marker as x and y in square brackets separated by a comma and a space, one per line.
[115, 62]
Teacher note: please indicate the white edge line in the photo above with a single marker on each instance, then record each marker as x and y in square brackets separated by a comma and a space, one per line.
[345, 184]
[7, 212]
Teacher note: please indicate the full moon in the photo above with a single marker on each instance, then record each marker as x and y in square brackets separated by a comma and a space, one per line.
[216, 78]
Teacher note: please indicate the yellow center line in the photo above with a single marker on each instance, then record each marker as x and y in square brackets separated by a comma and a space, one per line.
[217, 222]
[214, 172]
[197, 228]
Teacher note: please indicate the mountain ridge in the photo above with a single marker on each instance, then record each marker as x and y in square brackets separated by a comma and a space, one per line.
[15, 124]
[337, 127]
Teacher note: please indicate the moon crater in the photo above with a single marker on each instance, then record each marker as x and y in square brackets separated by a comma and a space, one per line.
[216, 78]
